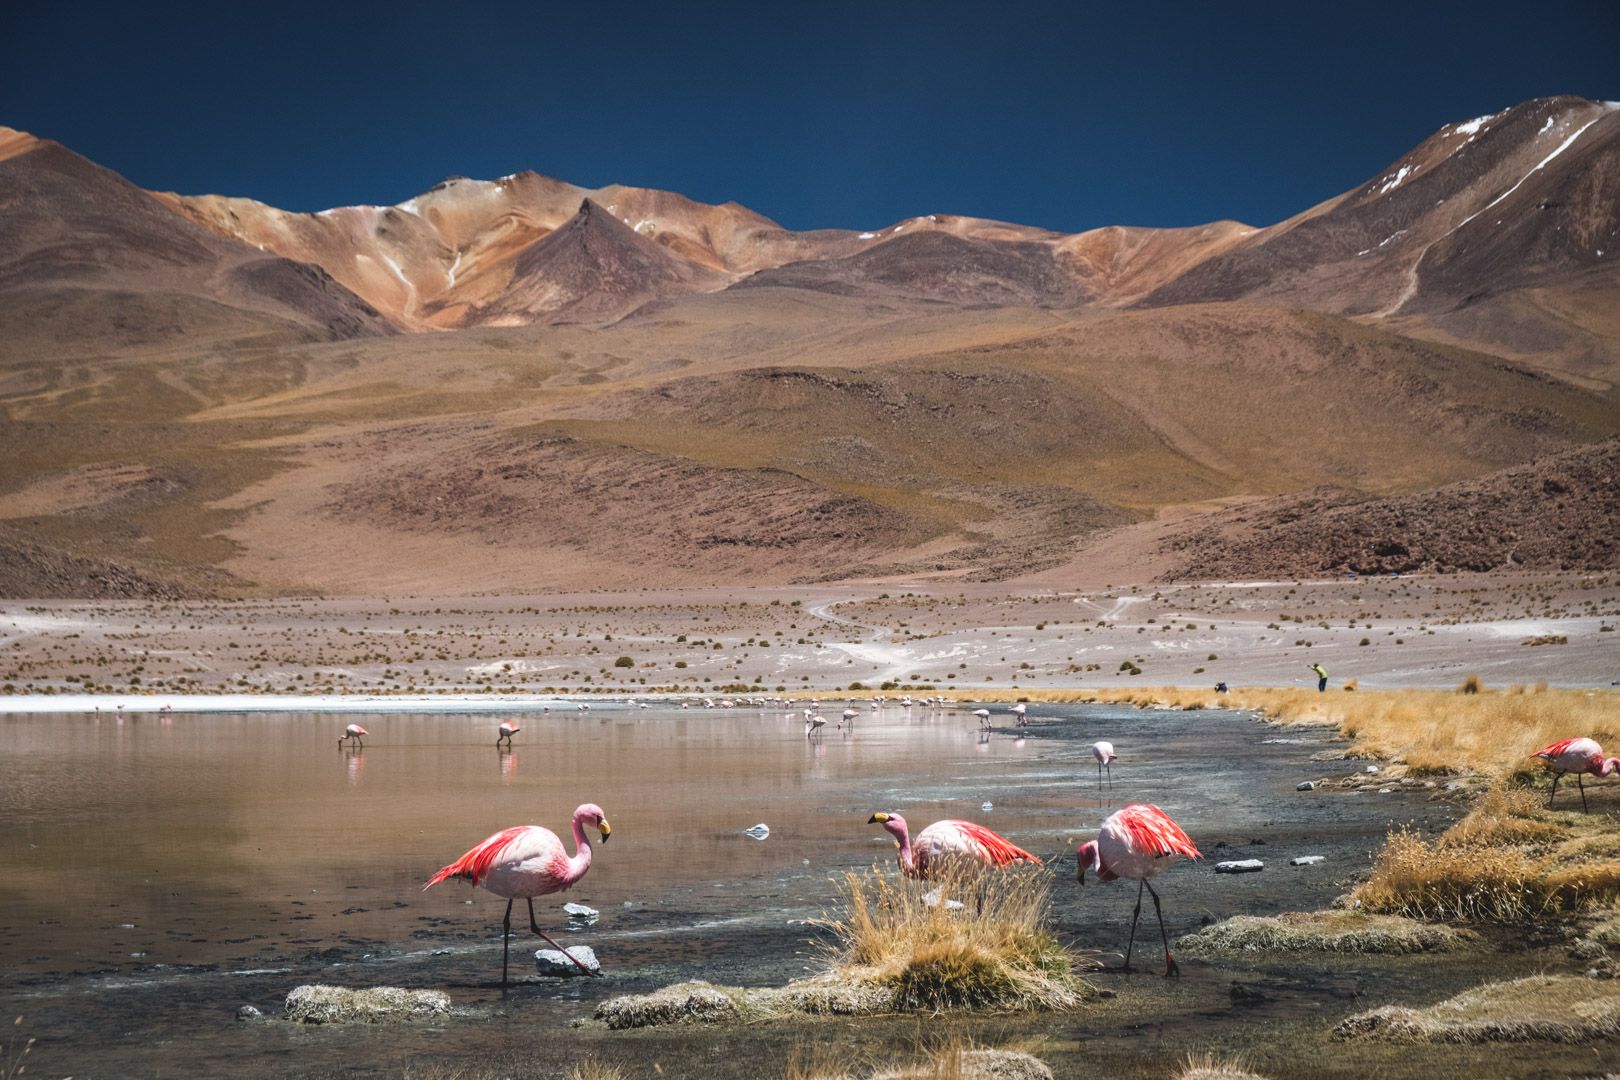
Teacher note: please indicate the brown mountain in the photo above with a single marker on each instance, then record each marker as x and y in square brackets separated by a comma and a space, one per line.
[625, 387]
[87, 257]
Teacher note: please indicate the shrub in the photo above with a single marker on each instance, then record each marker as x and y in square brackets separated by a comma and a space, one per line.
[624, 661]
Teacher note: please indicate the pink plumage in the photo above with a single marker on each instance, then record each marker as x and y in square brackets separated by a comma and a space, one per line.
[948, 839]
[524, 862]
[1137, 842]
[1581, 756]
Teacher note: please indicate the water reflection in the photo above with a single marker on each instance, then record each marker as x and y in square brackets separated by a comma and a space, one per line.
[354, 763]
[509, 765]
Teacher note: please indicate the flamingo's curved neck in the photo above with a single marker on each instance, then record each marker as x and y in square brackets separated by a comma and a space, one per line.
[1609, 767]
[581, 860]
[897, 828]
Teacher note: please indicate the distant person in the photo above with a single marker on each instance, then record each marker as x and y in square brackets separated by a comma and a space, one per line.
[1321, 678]
[1220, 688]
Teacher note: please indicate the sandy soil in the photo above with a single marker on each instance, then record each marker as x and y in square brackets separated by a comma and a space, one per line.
[963, 638]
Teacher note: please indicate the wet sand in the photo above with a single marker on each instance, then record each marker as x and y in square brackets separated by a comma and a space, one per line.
[164, 871]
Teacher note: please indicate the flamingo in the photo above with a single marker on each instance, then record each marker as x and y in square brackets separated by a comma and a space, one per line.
[353, 731]
[1137, 842]
[507, 729]
[814, 724]
[528, 861]
[984, 717]
[1103, 751]
[949, 839]
[1019, 710]
[1578, 756]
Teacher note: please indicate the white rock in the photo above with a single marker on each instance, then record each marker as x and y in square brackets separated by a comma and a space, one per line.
[1309, 785]
[987, 806]
[1306, 860]
[552, 962]
[580, 911]
[758, 832]
[931, 898]
[1372, 769]
[1240, 866]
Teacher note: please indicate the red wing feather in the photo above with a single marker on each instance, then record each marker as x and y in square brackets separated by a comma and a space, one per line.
[1153, 832]
[478, 862]
[1554, 750]
[1003, 852]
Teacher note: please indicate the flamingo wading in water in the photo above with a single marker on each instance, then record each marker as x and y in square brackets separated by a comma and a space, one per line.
[528, 861]
[1137, 842]
[353, 731]
[1103, 751]
[944, 840]
[508, 729]
[1578, 756]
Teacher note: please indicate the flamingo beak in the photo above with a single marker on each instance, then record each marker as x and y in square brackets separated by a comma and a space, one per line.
[877, 819]
[605, 829]
[1080, 872]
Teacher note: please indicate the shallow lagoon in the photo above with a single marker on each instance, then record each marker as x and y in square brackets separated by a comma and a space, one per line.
[165, 869]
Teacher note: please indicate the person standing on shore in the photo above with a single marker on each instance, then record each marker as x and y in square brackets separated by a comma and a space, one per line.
[1321, 677]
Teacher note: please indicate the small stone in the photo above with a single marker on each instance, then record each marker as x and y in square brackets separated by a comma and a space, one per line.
[248, 1012]
[552, 962]
[580, 911]
[1240, 866]
[1306, 860]
[987, 806]
[1372, 769]
[758, 832]
[931, 898]
[1308, 785]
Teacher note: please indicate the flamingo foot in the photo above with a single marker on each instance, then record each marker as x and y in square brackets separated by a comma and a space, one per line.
[1171, 968]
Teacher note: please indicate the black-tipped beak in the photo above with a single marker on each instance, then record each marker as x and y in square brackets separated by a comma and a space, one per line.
[1080, 873]
[605, 829]
[877, 819]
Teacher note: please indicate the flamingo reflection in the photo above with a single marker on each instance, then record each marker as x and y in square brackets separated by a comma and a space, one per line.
[355, 764]
[509, 765]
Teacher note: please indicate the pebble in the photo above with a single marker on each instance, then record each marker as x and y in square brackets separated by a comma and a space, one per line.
[1372, 769]
[1306, 860]
[931, 898]
[552, 962]
[1308, 785]
[580, 911]
[987, 806]
[758, 832]
[248, 1012]
[1240, 866]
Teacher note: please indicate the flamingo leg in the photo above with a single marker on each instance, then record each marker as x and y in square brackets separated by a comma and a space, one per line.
[1110, 767]
[536, 928]
[1170, 965]
[1557, 776]
[1099, 773]
[1131, 944]
[506, 940]
[1580, 782]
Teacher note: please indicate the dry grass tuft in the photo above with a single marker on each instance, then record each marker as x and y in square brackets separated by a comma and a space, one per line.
[955, 1061]
[996, 953]
[1471, 685]
[1607, 930]
[1323, 931]
[595, 1069]
[1541, 1008]
[1209, 1067]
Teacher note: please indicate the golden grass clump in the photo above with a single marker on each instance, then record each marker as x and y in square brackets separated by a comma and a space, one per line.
[1541, 1008]
[1471, 685]
[1210, 1067]
[595, 1069]
[957, 1060]
[995, 953]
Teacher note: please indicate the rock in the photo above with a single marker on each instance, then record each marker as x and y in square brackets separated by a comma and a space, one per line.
[758, 832]
[1243, 994]
[1240, 866]
[317, 1004]
[1372, 769]
[931, 898]
[987, 806]
[553, 963]
[1306, 860]
[248, 1012]
[580, 911]
[1309, 785]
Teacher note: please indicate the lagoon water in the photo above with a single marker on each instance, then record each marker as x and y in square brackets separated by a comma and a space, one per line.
[162, 870]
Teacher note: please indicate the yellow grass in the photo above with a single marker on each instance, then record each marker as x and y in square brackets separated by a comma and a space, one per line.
[1509, 859]
[995, 953]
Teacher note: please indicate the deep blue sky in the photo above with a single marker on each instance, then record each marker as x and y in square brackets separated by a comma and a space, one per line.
[1067, 115]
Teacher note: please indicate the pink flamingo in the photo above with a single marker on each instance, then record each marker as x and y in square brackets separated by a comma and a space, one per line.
[508, 729]
[1578, 756]
[1137, 842]
[528, 861]
[949, 839]
[353, 731]
[1103, 751]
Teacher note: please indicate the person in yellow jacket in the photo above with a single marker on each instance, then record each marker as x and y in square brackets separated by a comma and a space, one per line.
[1321, 677]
